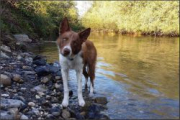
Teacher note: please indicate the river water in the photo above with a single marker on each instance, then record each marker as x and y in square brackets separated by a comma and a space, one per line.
[138, 75]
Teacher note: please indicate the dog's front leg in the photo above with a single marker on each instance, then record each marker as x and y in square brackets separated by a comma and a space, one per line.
[65, 101]
[79, 80]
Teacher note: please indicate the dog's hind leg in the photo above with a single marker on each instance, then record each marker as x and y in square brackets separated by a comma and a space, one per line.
[85, 75]
[92, 77]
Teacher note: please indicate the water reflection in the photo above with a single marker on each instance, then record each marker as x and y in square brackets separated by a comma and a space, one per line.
[148, 64]
[139, 75]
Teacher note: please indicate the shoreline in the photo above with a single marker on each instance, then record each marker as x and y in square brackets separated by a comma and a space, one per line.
[137, 34]
[32, 88]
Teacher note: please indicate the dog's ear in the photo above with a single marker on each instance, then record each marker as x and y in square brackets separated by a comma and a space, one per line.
[84, 34]
[64, 27]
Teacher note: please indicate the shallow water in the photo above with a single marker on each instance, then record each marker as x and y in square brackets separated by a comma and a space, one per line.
[138, 75]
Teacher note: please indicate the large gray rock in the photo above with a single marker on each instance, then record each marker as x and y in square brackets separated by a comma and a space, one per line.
[5, 80]
[4, 55]
[5, 115]
[22, 38]
[5, 48]
[10, 103]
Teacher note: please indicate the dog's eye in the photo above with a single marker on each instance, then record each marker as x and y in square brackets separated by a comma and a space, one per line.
[74, 43]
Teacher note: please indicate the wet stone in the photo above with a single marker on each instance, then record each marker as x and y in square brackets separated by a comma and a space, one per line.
[65, 114]
[35, 111]
[55, 111]
[6, 115]
[42, 70]
[39, 60]
[101, 100]
[26, 68]
[31, 104]
[5, 80]
[4, 95]
[40, 88]
[45, 79]
[24, 117]
[8, 103]
[57, 77]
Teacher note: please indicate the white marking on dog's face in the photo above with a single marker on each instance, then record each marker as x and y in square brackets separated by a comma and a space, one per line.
[69, 48]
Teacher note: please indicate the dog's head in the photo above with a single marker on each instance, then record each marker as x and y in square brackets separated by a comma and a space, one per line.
[70, 42]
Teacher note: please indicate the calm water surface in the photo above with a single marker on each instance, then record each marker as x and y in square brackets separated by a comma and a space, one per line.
[138, 75]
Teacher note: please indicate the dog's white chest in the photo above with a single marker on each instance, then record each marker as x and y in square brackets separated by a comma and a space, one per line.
[76, 63]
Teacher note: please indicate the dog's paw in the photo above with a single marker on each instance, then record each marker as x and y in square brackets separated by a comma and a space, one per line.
[65, 103]
[81, 102]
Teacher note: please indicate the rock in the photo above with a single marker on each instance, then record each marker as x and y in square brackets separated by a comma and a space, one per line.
[35, 111]
[53, 69]
[40, 88]
[28, 59]
[8, 40]
[37, 97]
[58, 73]
[19, 57]
[58, 86]
[83, 113]
[29, 72]
[50, 116]
[20, 46]
[23, 89]
[54, 99]
[17, 78]
[57, 77]
[101, 100]
[46, 103]
[4, 95]
[22, 38]
[39, 60]
[31, 104]
[87, 105]
[4, 115]
[48, 97]
[45, 79]
[5, 80]
[91, 115]
[9, 103]
[26, 68]
[42, 70]
[65, 114]
[56, 111]
[40, 94]
[5, 48]
[4, 55]
[24, 117]
[20, 98]
[56, 64]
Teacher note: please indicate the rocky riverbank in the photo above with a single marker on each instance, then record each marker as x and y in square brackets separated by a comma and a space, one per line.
[31, 88]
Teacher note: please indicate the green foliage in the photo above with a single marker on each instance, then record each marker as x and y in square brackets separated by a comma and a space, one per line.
[40, 18]
[153, 17]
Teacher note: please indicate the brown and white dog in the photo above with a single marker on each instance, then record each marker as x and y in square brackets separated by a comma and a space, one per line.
[78, 53]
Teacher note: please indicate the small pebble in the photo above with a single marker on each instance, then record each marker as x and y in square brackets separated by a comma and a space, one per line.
[4, 95]
[31, 104]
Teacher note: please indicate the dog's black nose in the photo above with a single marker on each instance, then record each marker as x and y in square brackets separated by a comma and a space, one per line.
[66, 52]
